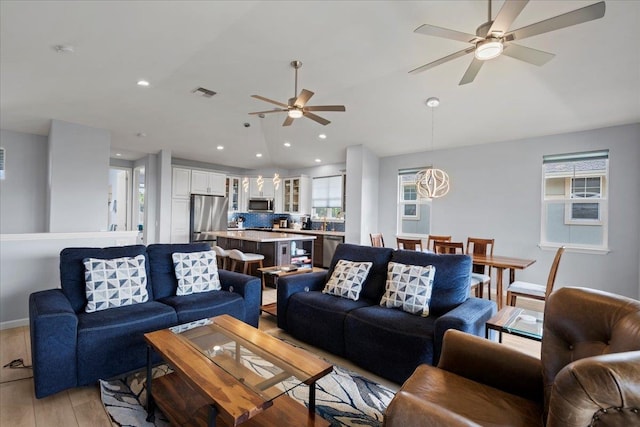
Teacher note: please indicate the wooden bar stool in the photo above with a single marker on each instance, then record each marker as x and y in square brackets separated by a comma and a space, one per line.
[246, 259]
[222, 255]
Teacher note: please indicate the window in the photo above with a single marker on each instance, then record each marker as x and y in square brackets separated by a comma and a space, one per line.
[414, 213]
[326, 197]
[574, 201]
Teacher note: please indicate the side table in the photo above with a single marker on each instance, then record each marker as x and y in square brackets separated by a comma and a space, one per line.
[516, 321]
[275, 273]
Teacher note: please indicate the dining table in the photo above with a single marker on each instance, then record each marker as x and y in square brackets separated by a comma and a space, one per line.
[502, 263]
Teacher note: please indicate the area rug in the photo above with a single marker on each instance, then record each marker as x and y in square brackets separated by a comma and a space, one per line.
[343, 398]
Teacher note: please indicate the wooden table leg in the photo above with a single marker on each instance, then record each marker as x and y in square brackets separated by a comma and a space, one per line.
[499, 297]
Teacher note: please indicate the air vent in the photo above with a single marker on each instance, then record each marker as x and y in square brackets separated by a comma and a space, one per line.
[2, 163]
[204, 92]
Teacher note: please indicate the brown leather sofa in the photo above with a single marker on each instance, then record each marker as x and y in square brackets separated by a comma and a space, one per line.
[588, 374]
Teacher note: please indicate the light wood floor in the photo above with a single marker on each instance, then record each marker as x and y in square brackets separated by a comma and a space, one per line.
[82, 406]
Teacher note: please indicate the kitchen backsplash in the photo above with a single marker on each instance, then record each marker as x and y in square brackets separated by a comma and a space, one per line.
[265, 220]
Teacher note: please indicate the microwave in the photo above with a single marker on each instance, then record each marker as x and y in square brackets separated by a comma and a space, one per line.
[260, 205]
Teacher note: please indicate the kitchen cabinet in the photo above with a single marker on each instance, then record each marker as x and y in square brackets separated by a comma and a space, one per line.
[296, 195]
[267, 191]
[235, 194]
[179, 220]
[181, 183]
[204, 182]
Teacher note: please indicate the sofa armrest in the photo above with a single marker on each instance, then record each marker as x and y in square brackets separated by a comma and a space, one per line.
[249, 287]
[471, 317]
[602, 389]
[407, 410]
[492, 364]
[289, 285]
[54, 332]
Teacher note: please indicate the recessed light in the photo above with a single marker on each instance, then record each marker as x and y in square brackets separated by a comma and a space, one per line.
[318, 160]
[220, 147]
[118, 154]
[258, 154]
[287, 144]
[143, 83]
[322, 136]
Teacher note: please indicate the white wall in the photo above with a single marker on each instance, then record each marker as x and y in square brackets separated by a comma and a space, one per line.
[362, 195]
[78, 177]
[23, 195]
[496, 193]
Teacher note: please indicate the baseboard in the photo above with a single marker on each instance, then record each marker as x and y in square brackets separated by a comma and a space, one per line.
[14, 324]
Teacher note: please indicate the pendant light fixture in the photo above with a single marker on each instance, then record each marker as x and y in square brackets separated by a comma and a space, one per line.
[276, 180]
[432, 183]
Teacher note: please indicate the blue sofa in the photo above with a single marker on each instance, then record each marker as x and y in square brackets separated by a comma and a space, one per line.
[71, 348]
[388, 342]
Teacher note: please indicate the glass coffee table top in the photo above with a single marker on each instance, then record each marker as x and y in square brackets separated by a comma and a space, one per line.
[258, 369]
[526, 323]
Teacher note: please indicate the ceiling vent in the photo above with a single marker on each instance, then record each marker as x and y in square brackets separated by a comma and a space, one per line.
[1, 163]
[204, 92]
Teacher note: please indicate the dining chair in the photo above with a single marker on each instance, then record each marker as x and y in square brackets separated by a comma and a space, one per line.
[433, 238]
[376, 240]
[534, 290]
[478, 246]
[409, 244]
[441, 247]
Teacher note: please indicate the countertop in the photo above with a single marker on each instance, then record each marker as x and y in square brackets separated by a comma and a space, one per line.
[321, 232]
[260, 236]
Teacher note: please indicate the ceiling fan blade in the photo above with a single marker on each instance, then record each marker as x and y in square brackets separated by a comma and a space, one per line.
[432, 30]
[262, 98]
[325, 108]
[578, 16]
[303, 98]
[318, 119]
[443, 60]
[527, 54]
[288, 121]
[508, 13]
[471, 72]
[269, 111]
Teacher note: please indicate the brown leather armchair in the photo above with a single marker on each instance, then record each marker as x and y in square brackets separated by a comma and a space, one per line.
[588, 373]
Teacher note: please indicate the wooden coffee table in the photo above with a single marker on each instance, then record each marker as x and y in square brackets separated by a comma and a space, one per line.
[213, 383]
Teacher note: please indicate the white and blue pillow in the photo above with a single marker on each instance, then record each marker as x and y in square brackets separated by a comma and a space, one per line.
[347, 279]
[409, 288]
[115, 282]
[196, 272]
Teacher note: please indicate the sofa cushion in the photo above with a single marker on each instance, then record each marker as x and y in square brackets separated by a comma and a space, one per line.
[388, 342]
[72, 280]
[111, 342]
[408, 288]
[161, 269]
[347, 279]
[196, 272]
[318, 319]
[373, 286]
[115, 282]
[452, 279]
[206, 304]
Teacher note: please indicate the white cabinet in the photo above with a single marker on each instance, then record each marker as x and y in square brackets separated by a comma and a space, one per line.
[296, 195]
[179, 220]
[267, 190]
[203, 182]
[181, 183]
[235, 194]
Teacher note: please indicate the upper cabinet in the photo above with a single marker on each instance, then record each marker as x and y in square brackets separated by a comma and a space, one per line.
[296, 195]
[235, 194]
[181, 183]
[203, 182]
[267, 191]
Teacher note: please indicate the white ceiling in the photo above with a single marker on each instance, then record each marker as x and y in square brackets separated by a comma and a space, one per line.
[356, 53]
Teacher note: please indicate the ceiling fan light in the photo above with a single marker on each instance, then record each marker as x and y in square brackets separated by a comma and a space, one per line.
[488, 49]
[295, 113]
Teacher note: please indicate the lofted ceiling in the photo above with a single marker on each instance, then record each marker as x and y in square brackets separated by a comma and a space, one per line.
[354, 53]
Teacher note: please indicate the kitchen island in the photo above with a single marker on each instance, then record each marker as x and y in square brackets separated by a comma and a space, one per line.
[278, 248]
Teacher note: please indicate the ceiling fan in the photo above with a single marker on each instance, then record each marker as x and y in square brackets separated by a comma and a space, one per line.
[493, 38]
[297, 107]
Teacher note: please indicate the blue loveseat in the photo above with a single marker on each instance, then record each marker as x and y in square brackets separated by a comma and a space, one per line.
[70, 347]
[388, 342]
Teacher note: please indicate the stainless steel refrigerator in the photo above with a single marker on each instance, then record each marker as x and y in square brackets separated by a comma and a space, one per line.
[208, 213]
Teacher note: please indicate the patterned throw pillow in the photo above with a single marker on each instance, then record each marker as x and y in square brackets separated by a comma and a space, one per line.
[196, 272]
[115, 282]
[347, 279]
[409, 288]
